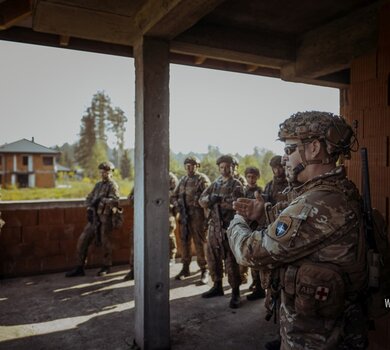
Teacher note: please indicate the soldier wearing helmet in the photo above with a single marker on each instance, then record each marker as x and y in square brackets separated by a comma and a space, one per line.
[273, 191]
[100, 203]
[172, 227]
[236, 174]
[218, 198]
[316, 241]
[185, 198]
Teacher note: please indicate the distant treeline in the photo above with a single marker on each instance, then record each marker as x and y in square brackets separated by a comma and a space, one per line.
[101, 120]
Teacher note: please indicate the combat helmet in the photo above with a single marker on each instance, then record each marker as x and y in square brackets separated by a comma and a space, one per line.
[252, 170]
[332, 129]
[108, 166]
[236, 162]
[192, 160]
[275, 161]
[226, 158]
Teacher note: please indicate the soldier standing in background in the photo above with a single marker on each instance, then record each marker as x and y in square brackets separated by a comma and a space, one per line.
[243, 269]
[219, 198]
[185, 198]
[273, 191]
[172, 226]
[316, 242]
[100, 202]
[252, 175]
[173, 181]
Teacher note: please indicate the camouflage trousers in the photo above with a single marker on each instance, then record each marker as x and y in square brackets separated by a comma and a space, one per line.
[197, 233]
[218, 253]
[87, 237]
[298, 332]
[172, 237]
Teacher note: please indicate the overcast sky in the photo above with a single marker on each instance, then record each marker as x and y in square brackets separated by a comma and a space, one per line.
[45, 91]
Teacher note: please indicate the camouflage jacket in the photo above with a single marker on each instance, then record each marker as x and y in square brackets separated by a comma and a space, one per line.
[273, 190]
[318, 244]
[229, 190]
[190, 189]
[240, 178]
[104, 196]
[250, 191]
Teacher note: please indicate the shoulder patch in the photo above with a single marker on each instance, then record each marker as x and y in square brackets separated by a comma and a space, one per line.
[282, 226]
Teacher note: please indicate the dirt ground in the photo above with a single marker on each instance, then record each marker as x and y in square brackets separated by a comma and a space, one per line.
[54, 312]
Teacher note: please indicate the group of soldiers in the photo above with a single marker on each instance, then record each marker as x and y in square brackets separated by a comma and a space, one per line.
[301, 236]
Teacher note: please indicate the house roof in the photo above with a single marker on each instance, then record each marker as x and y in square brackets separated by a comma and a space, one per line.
[59, 167]
[26, 146]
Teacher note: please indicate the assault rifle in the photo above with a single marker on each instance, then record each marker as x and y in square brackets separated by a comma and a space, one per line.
[93, 218]
[183, 217]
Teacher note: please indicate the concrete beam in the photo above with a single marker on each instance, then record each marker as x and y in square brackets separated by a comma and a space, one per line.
[152, 319]
[13, 11]
[332, 47]
[233, 45]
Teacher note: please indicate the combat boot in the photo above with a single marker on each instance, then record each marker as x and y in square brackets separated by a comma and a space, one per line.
[257, 293]
[103, 271]
[204, 276]
[77, 271]
[273, 344]
[215, 291]
[129, 276]
[235, 300]
[185, 272]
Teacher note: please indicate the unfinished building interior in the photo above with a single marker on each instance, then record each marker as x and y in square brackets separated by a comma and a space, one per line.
[339, 44]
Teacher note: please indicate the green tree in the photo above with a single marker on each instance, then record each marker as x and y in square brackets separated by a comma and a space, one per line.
[97, 156]
[87, 140]
[125, 167]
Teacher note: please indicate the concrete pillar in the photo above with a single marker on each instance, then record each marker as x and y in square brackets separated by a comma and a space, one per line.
[151, 225]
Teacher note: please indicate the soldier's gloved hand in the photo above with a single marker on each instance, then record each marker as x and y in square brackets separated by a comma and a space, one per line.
[90, 215]
[214, 199]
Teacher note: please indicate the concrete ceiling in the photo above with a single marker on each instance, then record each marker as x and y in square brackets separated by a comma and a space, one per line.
[296, 40]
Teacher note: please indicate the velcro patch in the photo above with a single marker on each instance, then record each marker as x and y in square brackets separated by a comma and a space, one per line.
[307, 290]
[282, 226]
[322, 293]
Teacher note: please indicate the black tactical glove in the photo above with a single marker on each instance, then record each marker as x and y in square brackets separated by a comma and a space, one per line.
[214, 199]
[90, 215]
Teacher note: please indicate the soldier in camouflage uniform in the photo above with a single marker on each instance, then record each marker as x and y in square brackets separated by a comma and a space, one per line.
[273, 191]
[243, 269]
[173, 181]
[172, 226]
[219, 198]
[252, 175]
[100, 202]
[317, 241]
[185, 198]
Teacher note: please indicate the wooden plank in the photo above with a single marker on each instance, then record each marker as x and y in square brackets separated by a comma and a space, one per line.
[236, 45]
[332, 47]
[13, 11]
[152, 319]
[170, 18]
[84, 23]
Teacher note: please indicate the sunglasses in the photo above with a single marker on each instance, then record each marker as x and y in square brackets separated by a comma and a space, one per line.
[290, 149]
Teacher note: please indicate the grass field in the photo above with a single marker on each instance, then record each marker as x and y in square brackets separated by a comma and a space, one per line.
[65, 189]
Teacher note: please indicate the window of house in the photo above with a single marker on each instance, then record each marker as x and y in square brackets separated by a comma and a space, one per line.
[25, 160]
[47, 160]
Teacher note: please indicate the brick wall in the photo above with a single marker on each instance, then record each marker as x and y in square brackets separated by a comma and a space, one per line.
[368, 101]
[41, 237]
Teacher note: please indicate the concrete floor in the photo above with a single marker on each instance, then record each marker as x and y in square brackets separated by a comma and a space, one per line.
[54, 312]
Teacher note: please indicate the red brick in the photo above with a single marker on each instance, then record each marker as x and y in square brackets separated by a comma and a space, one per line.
[377, 122]
[364, 67]
[384, 62]
[10, 236]
[384, 25]
[60, 232]
[370, 93]
[121, 256]
[377, 151]
[32, 265]
[75, 215]
[46, 248]
[68, 247]
[17, 218]
[53, 263]
[51, 216]
[34, 233]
